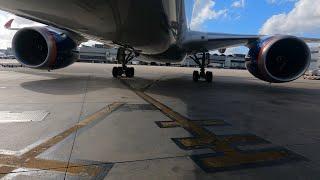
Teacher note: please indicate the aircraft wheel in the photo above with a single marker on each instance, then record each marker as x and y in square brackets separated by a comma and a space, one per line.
[120, 71]
[115, 72]
[209, 76]
[130, 72]
[196, 76]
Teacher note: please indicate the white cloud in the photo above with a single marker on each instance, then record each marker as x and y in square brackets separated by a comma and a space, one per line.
[279, 1]
[303, 18]
[203, 10]
[7, 35]
[238, 4]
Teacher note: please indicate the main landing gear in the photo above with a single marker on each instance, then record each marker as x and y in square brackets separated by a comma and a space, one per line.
[203, 62]
[124, 58]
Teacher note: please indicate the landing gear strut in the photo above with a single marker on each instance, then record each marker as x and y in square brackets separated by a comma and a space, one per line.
[207, 75]
[124, 58]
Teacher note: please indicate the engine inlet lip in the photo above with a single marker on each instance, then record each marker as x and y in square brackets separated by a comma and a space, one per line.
[45, 34]
[266, 48]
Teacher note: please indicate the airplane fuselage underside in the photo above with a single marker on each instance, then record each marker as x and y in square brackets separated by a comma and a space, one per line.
[149, 26]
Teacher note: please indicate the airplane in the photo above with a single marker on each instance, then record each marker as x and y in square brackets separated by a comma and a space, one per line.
[154, 30]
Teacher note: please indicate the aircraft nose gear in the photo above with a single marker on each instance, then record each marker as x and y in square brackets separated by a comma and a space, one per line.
[124, 58]
[205, 60]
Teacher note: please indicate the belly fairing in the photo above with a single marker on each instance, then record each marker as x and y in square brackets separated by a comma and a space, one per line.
[174, 54]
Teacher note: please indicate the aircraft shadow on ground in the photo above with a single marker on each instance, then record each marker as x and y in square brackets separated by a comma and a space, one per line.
[251, 105]
[224, 89]
[245, 103]
[62, 84]
[280, 114]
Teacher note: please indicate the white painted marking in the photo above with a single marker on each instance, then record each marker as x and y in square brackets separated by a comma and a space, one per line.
[21, 173]
[29, 147]
[19, 117]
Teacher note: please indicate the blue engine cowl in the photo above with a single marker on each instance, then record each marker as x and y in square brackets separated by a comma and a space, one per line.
[43, 48]
[278, 59]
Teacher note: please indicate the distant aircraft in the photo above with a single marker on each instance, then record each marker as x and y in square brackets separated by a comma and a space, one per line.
[155, 30]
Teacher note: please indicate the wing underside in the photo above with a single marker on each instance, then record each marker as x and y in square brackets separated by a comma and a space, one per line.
[198, 41]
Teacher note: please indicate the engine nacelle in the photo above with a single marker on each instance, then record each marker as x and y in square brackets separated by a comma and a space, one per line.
[43, 48]
[278, 59]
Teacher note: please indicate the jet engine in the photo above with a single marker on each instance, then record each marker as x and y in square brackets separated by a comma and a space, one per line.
[278, 59]
[43, 48]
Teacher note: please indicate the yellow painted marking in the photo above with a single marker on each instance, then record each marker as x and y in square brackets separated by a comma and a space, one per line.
[231, 156]
[13, 162]
[241, 139]
[56, 139]
[195, 142]
[242, 158]
[73, 169]
[220, 146]
[5, 170]
[28, 160]
[210, 122]
[169, 124]
[191, 142]
[173, 124]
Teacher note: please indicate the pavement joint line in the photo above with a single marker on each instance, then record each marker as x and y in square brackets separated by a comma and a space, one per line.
[150, 159]
[75, 133]
[225, 157]
[9, 163]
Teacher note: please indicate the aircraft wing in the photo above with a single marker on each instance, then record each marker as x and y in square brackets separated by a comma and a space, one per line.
[199, 41]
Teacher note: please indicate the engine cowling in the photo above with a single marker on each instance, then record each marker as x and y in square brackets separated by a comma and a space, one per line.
[43, 48]
[278, 59]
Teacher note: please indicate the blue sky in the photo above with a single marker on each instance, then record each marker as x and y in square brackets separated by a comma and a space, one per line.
[250, 16]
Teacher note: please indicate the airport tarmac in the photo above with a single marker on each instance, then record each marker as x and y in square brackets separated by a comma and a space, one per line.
[80, 123]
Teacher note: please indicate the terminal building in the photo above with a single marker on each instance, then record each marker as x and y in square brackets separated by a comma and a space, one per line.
[315, 58]
[99, 53]
[7, 53]
[233, 61]
[237, 61]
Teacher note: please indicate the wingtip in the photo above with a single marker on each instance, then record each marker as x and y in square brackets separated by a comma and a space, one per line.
[8, 24]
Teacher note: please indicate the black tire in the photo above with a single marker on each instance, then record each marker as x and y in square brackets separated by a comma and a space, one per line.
[130, 72]
[196, 76]
[209, 76]
[115, 72]
[120, 71]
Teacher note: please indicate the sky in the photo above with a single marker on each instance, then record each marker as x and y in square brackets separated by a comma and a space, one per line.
[267, 17]
[299, 17]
